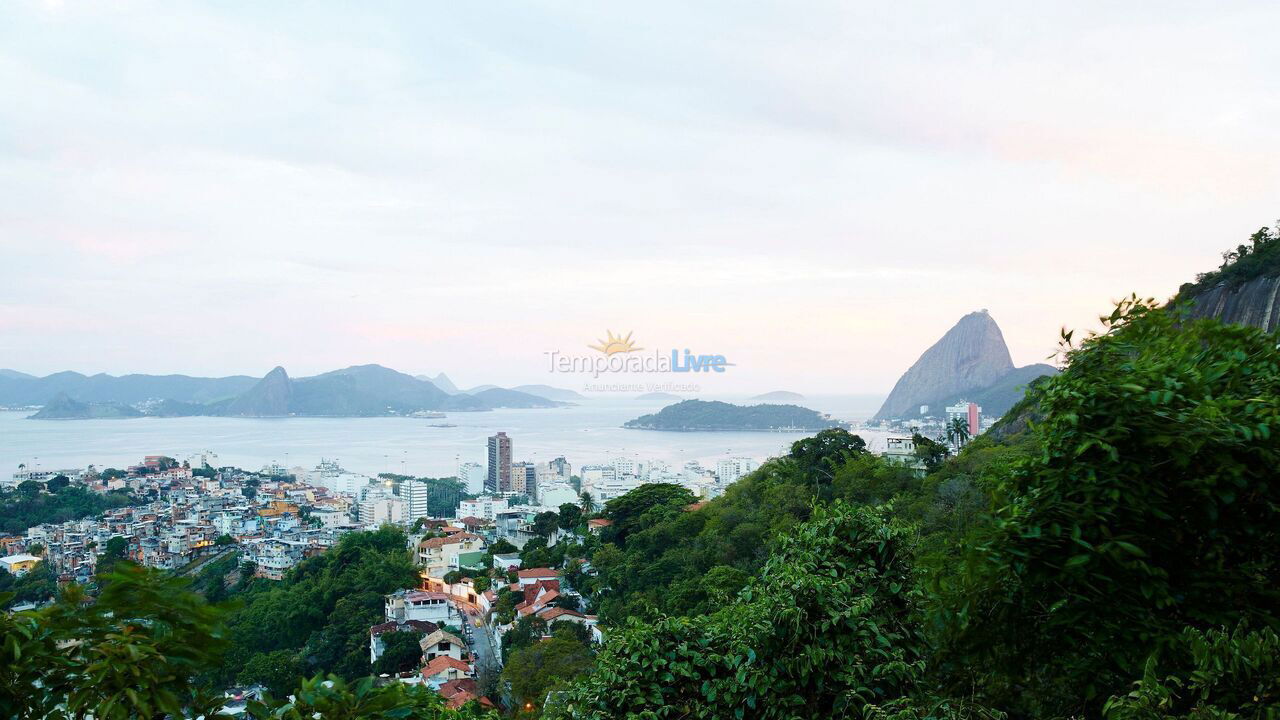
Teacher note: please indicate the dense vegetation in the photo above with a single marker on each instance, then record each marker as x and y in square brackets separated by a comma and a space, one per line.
[137, 650]
[1118, 558]
[317, 619]
[715, 415]
[29, 505]
[1259, 256]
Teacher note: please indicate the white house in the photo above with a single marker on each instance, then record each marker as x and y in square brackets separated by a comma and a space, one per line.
[405, 605]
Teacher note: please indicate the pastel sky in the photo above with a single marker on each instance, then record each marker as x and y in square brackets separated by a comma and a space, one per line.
[815, 190]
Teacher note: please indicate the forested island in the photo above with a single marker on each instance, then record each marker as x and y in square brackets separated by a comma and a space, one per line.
[712, 415]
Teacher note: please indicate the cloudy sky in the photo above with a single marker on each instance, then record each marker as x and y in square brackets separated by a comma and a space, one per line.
[815, 190]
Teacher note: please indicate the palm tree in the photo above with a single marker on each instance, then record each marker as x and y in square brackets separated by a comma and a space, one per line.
[958, 432]
[588, 505]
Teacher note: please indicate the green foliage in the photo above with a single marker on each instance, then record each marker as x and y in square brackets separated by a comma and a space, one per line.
[1152, 506]
[825, 631]
[36, 585]
[278, 671]
[1218, 675]
[533, 671]
[323, 608]
[333, 698]
[22, 508]
[545, 523]
[1258, 256]
[570, 517]
[827, 449]
[628, 511]
[132, 653]
[57, 483]
[401, 652]
[525, 632]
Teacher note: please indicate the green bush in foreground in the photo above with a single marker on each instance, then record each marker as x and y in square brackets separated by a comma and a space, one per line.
[135, 651]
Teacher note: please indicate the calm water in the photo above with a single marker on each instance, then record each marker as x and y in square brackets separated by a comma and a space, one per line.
[585, 434]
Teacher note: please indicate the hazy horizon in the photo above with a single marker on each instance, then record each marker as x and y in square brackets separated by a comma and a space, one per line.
[815, 194]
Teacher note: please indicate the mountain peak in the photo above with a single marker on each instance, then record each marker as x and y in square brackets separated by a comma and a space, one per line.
[972, 355]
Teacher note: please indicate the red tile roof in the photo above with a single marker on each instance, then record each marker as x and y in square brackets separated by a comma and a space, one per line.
[451, 540]
[443, 663]
[557, 613]
[536, 573]
[599, 522]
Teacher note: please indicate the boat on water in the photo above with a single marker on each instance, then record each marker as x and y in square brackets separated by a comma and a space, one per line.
[428, 414]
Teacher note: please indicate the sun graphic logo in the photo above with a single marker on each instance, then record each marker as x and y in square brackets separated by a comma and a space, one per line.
[614, 344]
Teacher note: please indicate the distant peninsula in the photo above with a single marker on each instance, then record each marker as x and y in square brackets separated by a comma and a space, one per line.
[63, 407]
[703, 416]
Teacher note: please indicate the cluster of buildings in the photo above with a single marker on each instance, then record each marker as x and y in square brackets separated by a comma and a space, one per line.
[278, 516]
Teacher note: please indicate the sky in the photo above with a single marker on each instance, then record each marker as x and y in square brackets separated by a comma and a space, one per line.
[816, 191]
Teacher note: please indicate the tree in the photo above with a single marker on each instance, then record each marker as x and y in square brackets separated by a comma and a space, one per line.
[822, 452]
[278, 671]
[570, 517]
[626, 510]
[402, 652]
[502, 547]
[452, 577]
[931, 452]
[224, 539]
[532, 672]
[114, 551]
[846, 571]
[957, 432]
[588, 503]
[545, 523]
[1151, 507]
[57, 482]
[29, 488]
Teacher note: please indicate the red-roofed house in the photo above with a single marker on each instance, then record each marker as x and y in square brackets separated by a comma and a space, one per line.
[443, 669]
[595, 525]
[533, 575]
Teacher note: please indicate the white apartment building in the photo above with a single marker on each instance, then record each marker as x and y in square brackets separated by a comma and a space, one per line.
[415, 494]
[486, 507]
[729, 470]
[381, 510]
[472, 476]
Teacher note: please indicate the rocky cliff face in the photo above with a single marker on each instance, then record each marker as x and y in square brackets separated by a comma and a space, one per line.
[971, 356]
[1256, 303]
[269, 398]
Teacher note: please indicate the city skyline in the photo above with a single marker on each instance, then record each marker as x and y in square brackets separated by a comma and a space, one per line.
[816, 196]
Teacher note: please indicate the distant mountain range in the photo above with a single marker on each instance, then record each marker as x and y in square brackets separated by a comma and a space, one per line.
[359, 391]
[443, 382]
[971, 362]
[703, 415]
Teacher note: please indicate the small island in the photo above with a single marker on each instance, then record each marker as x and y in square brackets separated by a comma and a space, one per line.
[703, 416]
[778, 396]
[658, 397]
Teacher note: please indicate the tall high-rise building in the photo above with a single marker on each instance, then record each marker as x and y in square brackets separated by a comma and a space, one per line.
[971, 413]
[499, 478]
[524, 480]
[472, 477]
[416, 495]
[561, 467]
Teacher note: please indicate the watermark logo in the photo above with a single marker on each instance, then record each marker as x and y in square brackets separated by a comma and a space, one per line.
[612, 345]
[619, 354]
